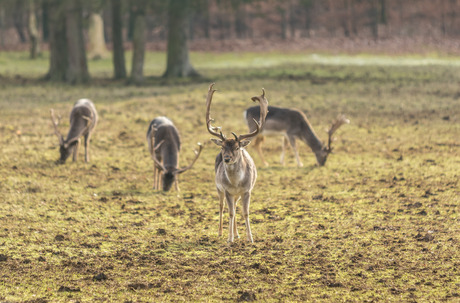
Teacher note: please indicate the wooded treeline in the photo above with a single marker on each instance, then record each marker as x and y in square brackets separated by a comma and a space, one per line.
[78, 30]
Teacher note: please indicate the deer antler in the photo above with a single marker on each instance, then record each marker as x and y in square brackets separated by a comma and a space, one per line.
[340, 120]
[263, 102]
[197, 154]
[55, 124]
[211, 129]
[154, 157]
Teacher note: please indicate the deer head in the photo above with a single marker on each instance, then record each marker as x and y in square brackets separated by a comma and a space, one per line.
[231, 148]
[170, 173]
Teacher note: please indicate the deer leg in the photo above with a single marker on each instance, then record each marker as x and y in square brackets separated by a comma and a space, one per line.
[245, 207]
[75, 150]
[159, 179]
[87, 137]
[235, 230]
[294, 147]
[154, 176]
[284, 142]
[258, 145]
[221, 209]
[231, 214]
[176, 183]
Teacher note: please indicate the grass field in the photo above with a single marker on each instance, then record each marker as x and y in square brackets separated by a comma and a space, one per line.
[380, 222]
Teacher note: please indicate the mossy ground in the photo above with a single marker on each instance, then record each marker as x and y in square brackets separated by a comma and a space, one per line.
[379, 222]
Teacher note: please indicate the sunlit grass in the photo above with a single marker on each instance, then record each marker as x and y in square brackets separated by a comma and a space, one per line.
[378, 223]
[19, 64]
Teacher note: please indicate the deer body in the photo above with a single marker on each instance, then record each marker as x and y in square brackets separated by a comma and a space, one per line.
[83, 120]
[235, 170]
[164, 146]
[291, 124]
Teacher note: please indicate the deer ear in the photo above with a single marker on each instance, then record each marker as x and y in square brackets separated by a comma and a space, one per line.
[244, 143]
[217, 142]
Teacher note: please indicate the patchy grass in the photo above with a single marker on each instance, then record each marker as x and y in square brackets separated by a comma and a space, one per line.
[378, 223]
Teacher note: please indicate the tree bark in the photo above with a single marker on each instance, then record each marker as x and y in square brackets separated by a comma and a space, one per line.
[137, 67]
[77, 71]
[57, 41]
[67, 49]
[96, 44]
[18, 19]
[178, 62]
[240, 22]
[119, 65]
[2, 26]
[33, 31]
[45, 22]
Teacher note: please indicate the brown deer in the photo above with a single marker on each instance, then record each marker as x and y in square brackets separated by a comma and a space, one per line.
[292, 124]
[235, 170]
[83, 120]
[164, 145]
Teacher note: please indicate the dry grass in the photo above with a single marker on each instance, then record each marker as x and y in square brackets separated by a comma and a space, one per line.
[378, 223]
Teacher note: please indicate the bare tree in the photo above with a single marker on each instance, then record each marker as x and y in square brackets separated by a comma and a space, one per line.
[96, 41]
[178, 62]
[33, 31]
[137, 66]
[119, 65]
[67, 49]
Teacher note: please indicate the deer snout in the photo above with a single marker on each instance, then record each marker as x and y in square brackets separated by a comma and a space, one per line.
[227, 159]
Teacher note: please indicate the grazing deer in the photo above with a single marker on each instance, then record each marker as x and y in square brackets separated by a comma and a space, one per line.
[235, 170]
[292, 124]
[83, 120]
[164, 146]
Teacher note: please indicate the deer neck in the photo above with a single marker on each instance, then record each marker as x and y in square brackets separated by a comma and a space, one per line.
[169, 154]
[310, 138]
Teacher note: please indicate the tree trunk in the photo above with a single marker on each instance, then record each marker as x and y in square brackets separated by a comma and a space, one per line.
[137, 68]
[19, 20]
[282, 12]
[383, 12]
[240, 22]
[96, 44]
[119, 65]
[374, 19]
[206, 20]
[57, 41]
[178, 63]
[77, 71]
[45, 22]
[292, 19]
[2, 26]
[33, 31]
[67, 49]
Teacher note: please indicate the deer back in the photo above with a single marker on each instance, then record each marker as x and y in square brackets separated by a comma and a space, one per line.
[162, 129]
[286, 121]
[83, 114]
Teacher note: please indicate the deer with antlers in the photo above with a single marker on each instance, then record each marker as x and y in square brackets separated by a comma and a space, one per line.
[235, 170]
[83, 120]
[164, 145]
[292, 124]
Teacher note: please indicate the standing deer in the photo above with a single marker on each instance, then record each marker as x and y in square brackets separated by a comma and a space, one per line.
[83, 120]
[164, 146]
[292, 124]
[235, 170]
